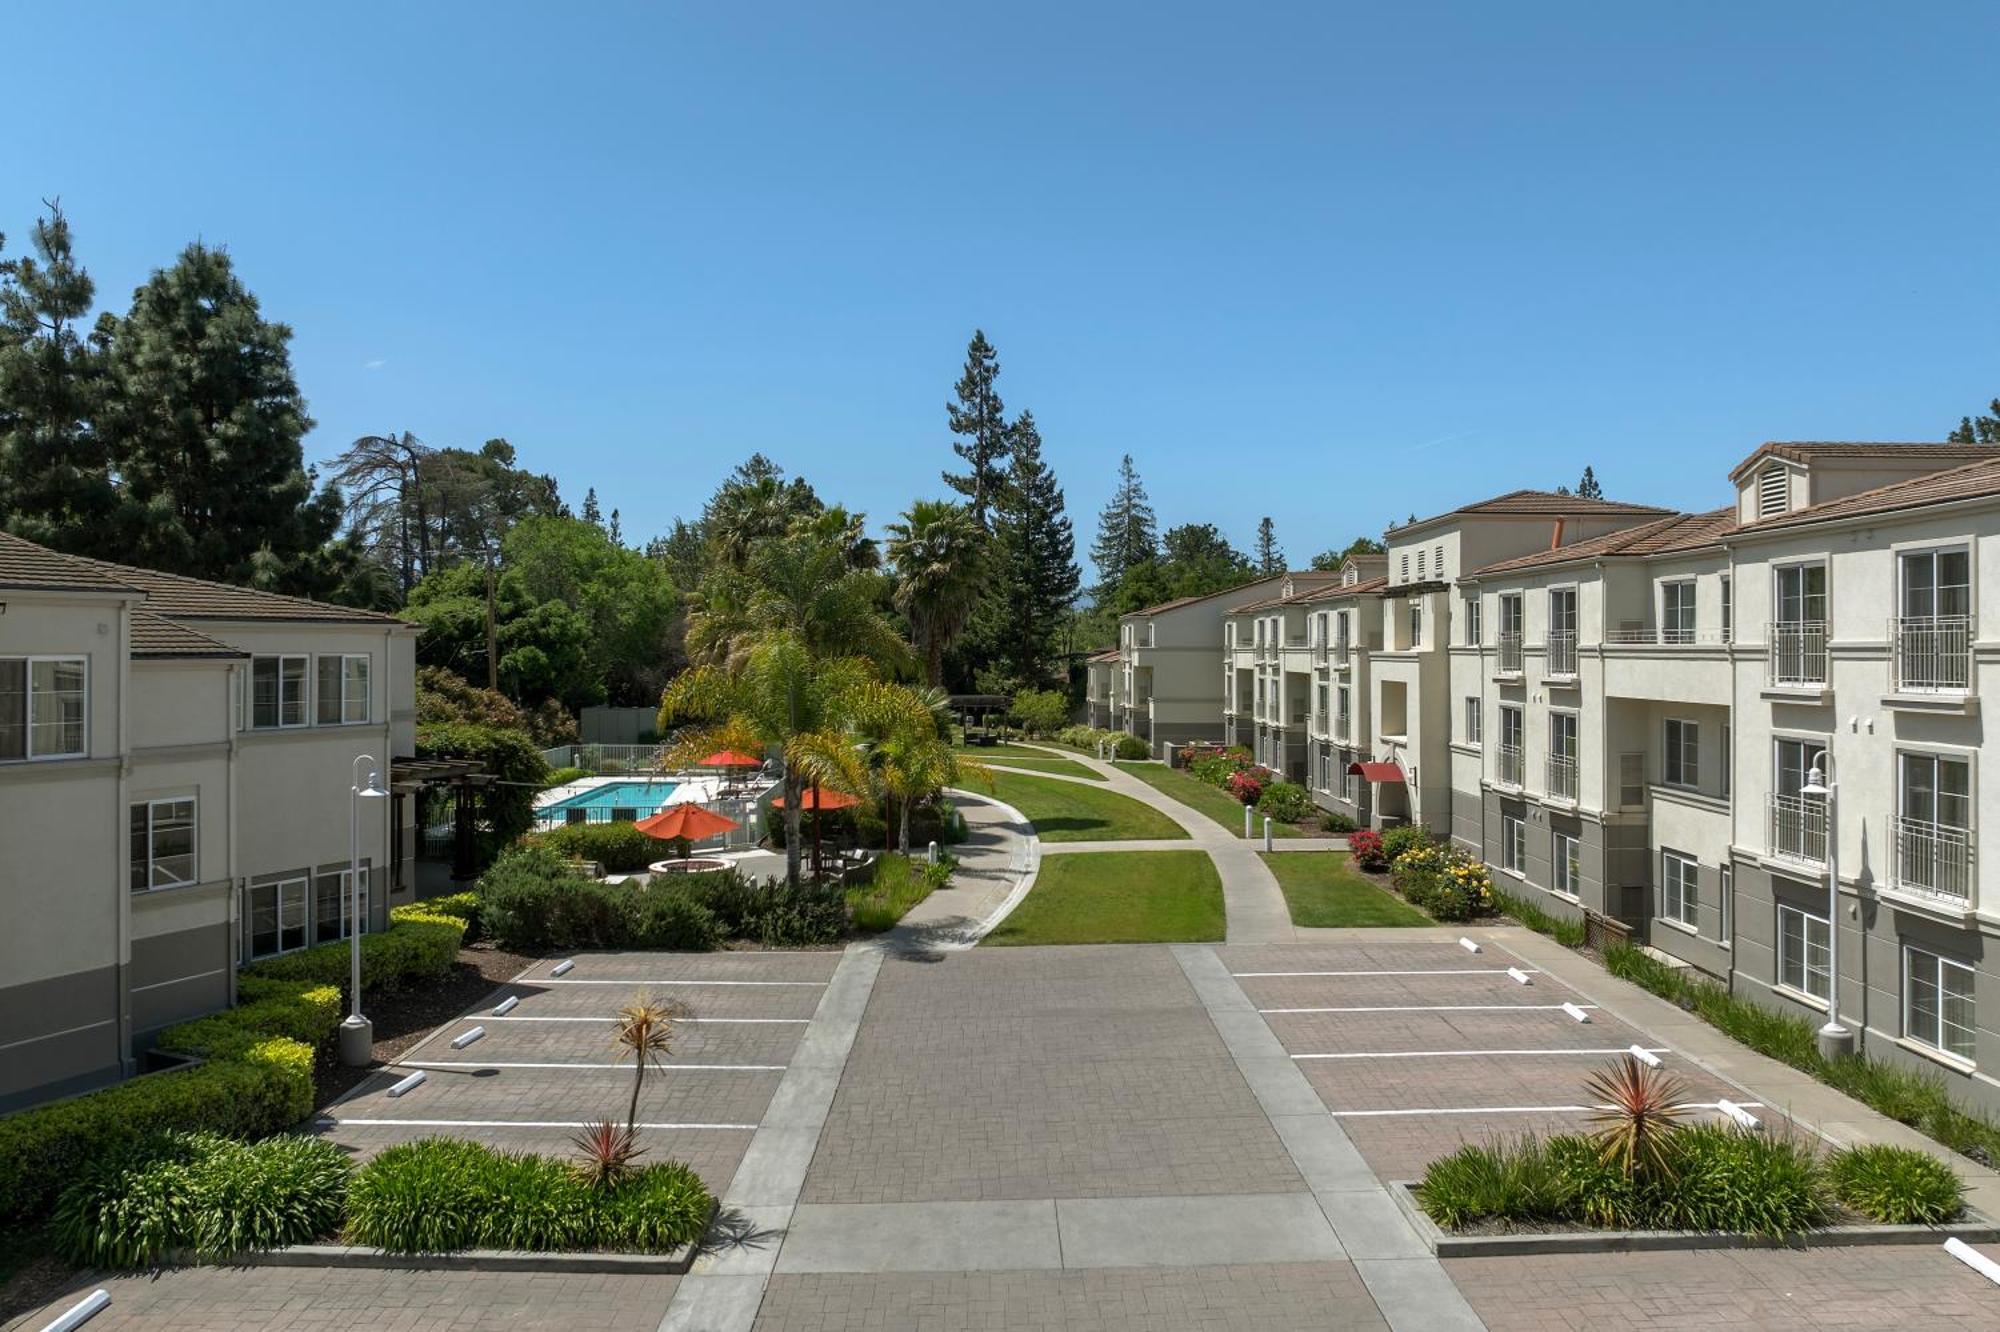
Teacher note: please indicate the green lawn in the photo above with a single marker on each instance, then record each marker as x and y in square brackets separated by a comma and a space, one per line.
[1072, 812]
[898, 886]
[1322, 888]
[1118, 897]
[1049, 763]
[1218, 804]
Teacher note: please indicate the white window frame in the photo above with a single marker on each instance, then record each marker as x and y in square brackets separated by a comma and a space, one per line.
[1684, 596]
[1726, 901]
[1728, 609]
[1474, 720]
[1680, 888]
[149, 864]
[344, 878]
[1566, 857]
[1514, 844]
[1416, 623]
[1921, 963]
[347, 708]
[1810, 975]
[1473, 629]
[305, 685]
[277, 887]
[1672, 754]
[28, 662]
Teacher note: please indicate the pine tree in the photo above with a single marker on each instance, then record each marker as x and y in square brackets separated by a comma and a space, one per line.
[1977, 429]
[980, 423]
[1036, 578]
[591, 513]
[1270, 559]
[204, 425]
[1588, 488]
[1126, 535]
[55, 472]
[613, 530]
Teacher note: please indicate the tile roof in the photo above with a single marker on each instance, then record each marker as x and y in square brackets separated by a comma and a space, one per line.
[1315, 575]
[1806, 451]
[25, 564]
[1973, 480]
[1677, 532]
[156, 636]
[184, 598]
[1334, 593]
[1109, 654]
[1539, 503]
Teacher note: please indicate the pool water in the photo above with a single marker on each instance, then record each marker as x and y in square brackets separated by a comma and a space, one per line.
[643, 798]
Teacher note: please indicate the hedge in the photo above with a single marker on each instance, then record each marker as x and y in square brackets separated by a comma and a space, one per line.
[619, 846]
[420, 944]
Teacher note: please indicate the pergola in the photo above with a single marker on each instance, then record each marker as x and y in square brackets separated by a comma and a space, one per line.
[976, 709]
[464, 778]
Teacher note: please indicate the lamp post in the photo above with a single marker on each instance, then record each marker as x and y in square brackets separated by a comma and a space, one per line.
[357, 1033]
[1834, 1039]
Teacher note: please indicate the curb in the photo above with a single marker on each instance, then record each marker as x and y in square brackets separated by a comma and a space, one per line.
[1976, 1228]
[673, 1262]
[1030, 867]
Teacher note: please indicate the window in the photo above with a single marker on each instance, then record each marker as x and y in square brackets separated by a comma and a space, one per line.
[1803, 952]
[1680, 888]
[44, 703]
[1631, 780]
[274, 917]
[1416, 622]
[1513, 844]
[1937, 585]
[1341, 714]
[277, 692]
[333, 903]
[1562, 612]
[1472, 621]
[1728, 610]
[343, 689]
[1937, 1003]
[1473, 721]
[163, 843]
[1677, 611]
[1569, 864]
[1774, 487]
[1340, 638]
[1727, 891]
[1562, 771]
[1683, 754]
[1802, 594]
[1229, 634]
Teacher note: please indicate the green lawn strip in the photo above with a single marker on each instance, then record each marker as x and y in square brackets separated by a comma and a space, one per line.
[896, 888]
[1073, 812]
[1118, 897]
[1323, 888]
[1219, 805]
[1006, 753]
[1060, 767]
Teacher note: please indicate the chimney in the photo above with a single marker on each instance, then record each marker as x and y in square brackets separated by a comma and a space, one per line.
[1556, 535]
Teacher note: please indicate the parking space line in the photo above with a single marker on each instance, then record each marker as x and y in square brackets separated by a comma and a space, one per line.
[1513, 1110]
[747, 1022]
[1429, 1008]
[1434, 971]
[612, 1068]
[592, 980]
[329, 1122]
[1453, 1054]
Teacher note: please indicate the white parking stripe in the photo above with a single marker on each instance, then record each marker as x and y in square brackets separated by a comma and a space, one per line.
[1435, 971]
[1453, 1054]
[329, 1122]
[611, 1068]
[552, 980]
[1510, 1110]
[748, 1022]
[1430, 1008]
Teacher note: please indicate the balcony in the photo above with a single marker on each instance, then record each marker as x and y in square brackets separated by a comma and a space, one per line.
[1343, 656]
[1510, 654]
[1933, 859]
[1931, 655]
[1562, 654]
[1797, 654]
[1343, 728]
[1797, 826]
[1561, 778]
[1511, 767]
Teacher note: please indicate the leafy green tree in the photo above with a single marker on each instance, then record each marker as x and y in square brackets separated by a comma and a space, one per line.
[980, 422]
[1198, 560]
[591, 513]
[1035, 578]
[1126, 534]
[1040, 711]
[55, 467]
[1270, 559]
[802, 583]
[539, 650]
[627, 600]
[205, 423]
[755, 504]
[1978, 429]
[1362, 545]
[940, 563]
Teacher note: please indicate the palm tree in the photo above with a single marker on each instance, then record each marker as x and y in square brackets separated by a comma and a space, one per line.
[916, 768]
[645, 1028]
[803, 585]
[937, 551]
[909, 759]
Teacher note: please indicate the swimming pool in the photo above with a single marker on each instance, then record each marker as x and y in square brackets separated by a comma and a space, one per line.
[613, 800]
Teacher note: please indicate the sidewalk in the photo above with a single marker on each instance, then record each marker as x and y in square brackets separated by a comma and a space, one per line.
[996, 867]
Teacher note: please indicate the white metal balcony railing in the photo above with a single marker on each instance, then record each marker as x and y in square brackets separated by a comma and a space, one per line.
[1797, 652]
[1562, 777]
[1299, 716]
[1343, 727]
[1509, 773]
[1934, 858]
[1320, 653]
[1647, 635]
[1562, 653]
[1931, 655]
[1295, 640]
[1510, 654]
[1797, 826]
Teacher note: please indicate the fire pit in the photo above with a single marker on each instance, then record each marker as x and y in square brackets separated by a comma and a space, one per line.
[692, 865]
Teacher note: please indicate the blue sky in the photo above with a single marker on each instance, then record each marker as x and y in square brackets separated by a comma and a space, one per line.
[1328, 262]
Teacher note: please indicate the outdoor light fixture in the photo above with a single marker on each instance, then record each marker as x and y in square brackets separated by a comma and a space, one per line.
[1834, 1039]
[357, 1033]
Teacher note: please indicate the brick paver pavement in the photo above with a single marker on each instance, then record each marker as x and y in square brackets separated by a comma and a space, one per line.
[1267, 1298]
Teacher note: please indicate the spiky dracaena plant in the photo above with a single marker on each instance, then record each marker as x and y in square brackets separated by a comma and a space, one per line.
[645, 1028]
[607, 1153]
[1642, 1111]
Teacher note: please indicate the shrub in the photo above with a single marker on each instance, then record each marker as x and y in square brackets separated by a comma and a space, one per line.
[511, 757]
[1404, 837]
[1896, 1185]
[1131, 747]
[419, 945]
[1287, 802]
[308, 1014]
[1569, 933]
[1336, 823]
[1445, 881]
[675, 922]
[253, 1091]
[439, 1195]
[459, 906]
[1245, 786]
[1040, 711]
[1727, 1179]
[619, 846]
[563, 776]
[1365, 845]
[900, 883]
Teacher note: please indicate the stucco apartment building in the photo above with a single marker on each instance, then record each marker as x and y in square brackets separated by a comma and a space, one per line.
[176, 758]
[1621, 709]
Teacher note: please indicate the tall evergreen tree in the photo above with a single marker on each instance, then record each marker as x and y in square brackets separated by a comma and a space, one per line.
[1270, 559]
[205, 423]
[980, 422]
[1588, 488]
[591, 513]
[1036, 578]
[1977, 429]
[55, 470]
[1126, 535]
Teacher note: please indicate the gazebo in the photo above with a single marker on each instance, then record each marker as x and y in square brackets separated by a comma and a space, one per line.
[977, 711]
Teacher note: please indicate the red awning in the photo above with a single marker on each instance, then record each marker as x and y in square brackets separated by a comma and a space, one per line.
[1377, 772]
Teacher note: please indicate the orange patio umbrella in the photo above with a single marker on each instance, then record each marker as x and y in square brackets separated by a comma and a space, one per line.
[685, 823]
[820, 798]
[730, 758]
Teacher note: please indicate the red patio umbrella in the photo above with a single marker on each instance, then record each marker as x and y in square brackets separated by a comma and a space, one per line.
[685, 823]
[820, 798]
[730, 758]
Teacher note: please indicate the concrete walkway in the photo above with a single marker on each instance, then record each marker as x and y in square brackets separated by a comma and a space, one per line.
[996, 867]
